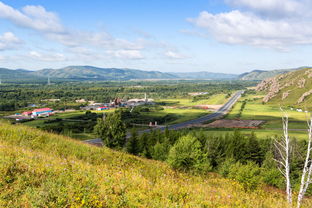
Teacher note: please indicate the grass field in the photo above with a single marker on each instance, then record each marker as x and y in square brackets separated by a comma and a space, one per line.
[271, 114]
[217, 99]
[260, 133]
[181, 114]
[39, 169]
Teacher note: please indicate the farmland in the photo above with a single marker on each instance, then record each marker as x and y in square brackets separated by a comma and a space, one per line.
[250, 107]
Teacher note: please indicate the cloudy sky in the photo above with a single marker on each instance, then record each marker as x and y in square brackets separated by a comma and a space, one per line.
[231, 36]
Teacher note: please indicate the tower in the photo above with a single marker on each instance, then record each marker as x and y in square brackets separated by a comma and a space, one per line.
[49, 82]
[145, 98]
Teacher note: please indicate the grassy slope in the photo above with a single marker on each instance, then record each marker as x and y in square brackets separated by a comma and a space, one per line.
[295, 92]
[39, 169]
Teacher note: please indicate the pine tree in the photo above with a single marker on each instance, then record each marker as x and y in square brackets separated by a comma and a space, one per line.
[132, 145]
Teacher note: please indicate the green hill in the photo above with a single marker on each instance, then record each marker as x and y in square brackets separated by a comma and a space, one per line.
[20, 74]
[39, 169]
[261, 74]
[96, 73]
[292, 88]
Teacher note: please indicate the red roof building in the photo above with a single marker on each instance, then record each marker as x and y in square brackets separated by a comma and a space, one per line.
[27, 113]
[42, 110]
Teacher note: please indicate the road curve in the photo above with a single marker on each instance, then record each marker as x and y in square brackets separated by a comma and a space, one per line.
[222, 111]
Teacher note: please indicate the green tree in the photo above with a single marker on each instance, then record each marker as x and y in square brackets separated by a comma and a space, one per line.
[132, 145]
[160, 151]
[187, 154]
[111, 130]
[248, 175]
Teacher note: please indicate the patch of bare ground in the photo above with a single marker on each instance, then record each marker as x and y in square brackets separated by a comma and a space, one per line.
[210, 107]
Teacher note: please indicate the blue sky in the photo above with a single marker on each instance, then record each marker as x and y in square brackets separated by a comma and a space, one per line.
[230, 36]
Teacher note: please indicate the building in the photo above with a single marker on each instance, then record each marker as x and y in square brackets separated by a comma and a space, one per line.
[42, 112]
[95, 106]
[27, 113]
[102, 108]
[136, 102]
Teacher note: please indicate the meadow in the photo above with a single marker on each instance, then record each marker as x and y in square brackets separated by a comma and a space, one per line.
[254, 109]
[39, 169]
[216, 99]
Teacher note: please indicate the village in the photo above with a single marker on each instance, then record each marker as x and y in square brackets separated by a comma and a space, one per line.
[91, 106]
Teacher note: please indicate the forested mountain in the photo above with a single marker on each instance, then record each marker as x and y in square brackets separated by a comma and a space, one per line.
[96, 73]
[8, 73]
[292, 88]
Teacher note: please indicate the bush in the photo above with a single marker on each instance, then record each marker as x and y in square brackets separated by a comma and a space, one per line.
[248, 175]
[225, 167]
[160, 151]
[187, 154]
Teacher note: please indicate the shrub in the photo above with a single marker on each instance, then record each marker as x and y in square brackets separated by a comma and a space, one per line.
[248, 175]
[187, 154]
[224, 168]
[160, 151]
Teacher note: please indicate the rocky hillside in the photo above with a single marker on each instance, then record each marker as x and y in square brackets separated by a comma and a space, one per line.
[292, 88]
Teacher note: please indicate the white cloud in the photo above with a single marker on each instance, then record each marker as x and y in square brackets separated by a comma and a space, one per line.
[34, 17]
[127, 54]
[48, 23]
[46, 57]
[9, 41]
[174, 55]
[252, 28]
[271, 7]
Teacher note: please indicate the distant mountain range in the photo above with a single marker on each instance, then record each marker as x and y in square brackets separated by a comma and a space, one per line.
[91, 73]
[205, 75]
[95, 73]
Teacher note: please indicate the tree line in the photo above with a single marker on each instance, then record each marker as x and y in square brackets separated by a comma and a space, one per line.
[245, 158]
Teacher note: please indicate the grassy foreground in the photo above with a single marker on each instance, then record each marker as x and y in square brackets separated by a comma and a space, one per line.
[38, 169]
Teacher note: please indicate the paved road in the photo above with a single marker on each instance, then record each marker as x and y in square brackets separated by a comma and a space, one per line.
[222, 111]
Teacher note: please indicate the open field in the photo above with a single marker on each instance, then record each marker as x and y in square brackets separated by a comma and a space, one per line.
[217, 99]
[260, 133]
[270, 114]
[181, 115]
